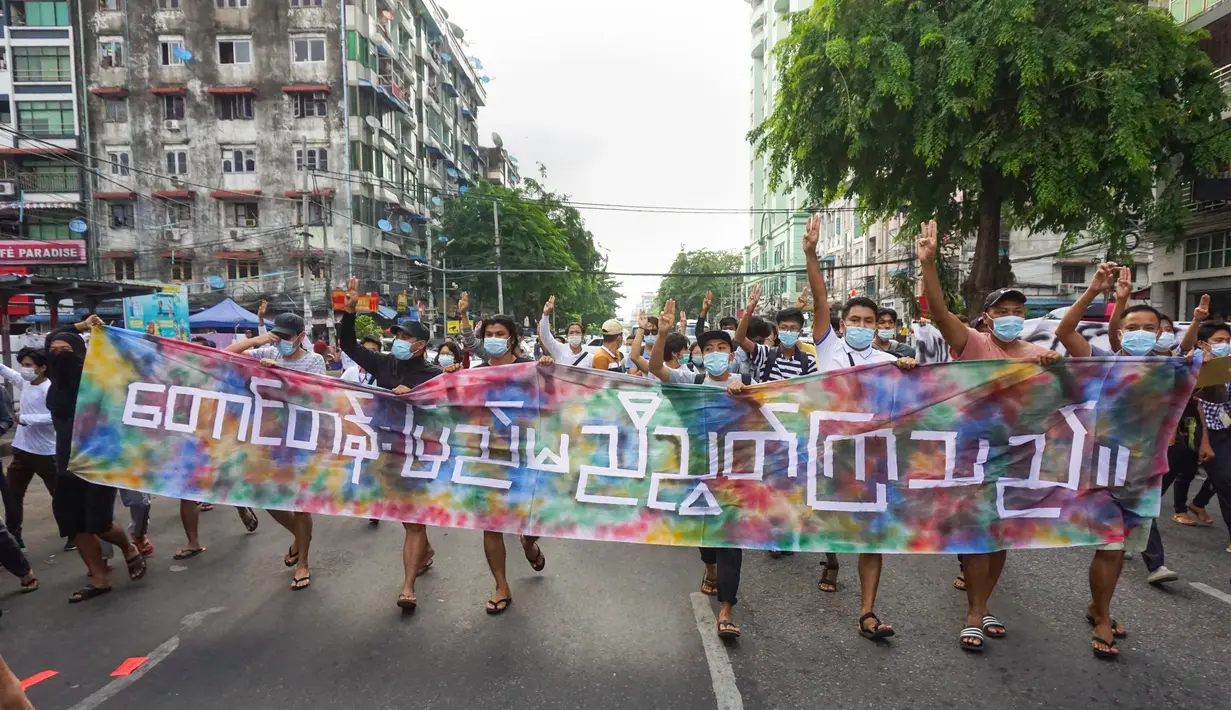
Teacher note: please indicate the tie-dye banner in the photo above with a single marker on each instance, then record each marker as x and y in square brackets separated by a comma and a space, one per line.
[961, 457]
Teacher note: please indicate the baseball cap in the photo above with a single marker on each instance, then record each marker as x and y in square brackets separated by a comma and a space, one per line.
[1000, 294]
[413, 328]
[714, 335]
[288, 324]
[613, 327]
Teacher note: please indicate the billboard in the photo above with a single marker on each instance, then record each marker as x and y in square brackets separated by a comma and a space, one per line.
[39, 251]
[167, 310]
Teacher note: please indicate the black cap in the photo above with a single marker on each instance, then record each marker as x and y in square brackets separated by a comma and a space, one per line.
[288, 325]
[413, 328]
[714, 335]
[1000, 294]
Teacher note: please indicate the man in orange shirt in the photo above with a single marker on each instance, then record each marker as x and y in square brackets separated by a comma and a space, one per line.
[609, 356]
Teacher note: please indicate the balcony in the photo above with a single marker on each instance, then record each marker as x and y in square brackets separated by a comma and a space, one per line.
[1199, 13]
[67, 181]
[42, 75]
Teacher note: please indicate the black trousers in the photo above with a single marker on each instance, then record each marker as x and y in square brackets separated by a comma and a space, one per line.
[1154, 555]
[729, 561]
[11, 557]
[21, 472]
[1218, 472]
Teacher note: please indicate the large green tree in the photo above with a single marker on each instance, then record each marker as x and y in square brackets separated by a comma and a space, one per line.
[1057, 115]
[686, 283]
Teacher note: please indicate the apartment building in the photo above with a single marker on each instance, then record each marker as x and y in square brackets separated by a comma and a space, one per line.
[41, 188]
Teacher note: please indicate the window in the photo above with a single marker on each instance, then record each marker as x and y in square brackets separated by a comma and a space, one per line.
[110, 5]
[241, 214]
[110, 52]
[318, 159]
[233, 107]
[173, 107]
[46, 119]
[1141, 273]
[305, 3]
[6, 113]
[1073, 274]
[243, 268]
[168, 48]
[234, 51]
[1212, 251]
[115, 110]
[309, 103]
[119, 161]
[125, 269]
[43, 228]
[177, 213]
[122, 215]
[239, 160]
[42, 64]
[181, 269]
[43, 14]
[168, 4]
[320, 211]
[177, 162]
[308, 49]
[223, 4]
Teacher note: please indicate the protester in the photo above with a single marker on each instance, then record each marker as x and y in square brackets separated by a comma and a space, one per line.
[694, 358]
[282, 348]
[1214, 404]
[886, 332]
[34, 444]
[355, 373]
[400, 370]
[608, 356]
[450, 353]
[501, 343]
[572, 354]
[1005, 312]
[83, 510]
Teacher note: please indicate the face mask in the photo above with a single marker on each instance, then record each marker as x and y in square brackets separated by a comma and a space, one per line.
[28, 374]
[685, 358]
[495, 346]
[574, 340]
[788, 338]
[1138, 342]
[401, 350]
[286, 347]
[1165, 340]
[730, 333]
[858, 337]
[1008, 328]
[1221, 349]
[651, 338]
[444, 360]
[884, 334]
[716, 363]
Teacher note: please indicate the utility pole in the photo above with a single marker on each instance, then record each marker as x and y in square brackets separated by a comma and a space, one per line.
[499, 275]
[444, 297]
[303, 206]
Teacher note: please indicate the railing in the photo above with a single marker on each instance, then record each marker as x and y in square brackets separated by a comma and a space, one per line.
[20, 75]
[50, 182]
[1185, 10]
[1198, 206]
[1223, 76]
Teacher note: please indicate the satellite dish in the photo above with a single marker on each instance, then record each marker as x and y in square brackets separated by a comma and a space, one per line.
[485, 80]
[372, 121]
[184, 54]
[215, 281]
[404, 226]
[463, 188]
[451, 172]
[436, 201]
[446, 57]
[385, 225]
[497, 140]
[444, 13]
[457, 31]
[78, 226]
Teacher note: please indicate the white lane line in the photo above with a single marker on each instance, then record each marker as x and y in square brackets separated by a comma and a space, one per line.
[164, 649]
[721, 674]
[1220, 596]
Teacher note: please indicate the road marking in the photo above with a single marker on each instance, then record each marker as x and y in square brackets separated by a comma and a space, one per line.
[721, 674]
[1220, 596]
[127, 667]
[37, 678]
[156, 656]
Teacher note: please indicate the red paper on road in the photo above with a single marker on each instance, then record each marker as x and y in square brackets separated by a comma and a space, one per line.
[37, 678]
[127, 667]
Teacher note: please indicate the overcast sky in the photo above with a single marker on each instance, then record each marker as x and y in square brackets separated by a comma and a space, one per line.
[642, 102]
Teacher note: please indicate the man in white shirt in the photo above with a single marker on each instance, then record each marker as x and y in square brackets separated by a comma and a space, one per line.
[34, 444]
[358, 375]
[573, 353]
[834, 353]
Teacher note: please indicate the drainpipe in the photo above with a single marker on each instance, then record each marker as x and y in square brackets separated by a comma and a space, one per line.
[84, 119]
[350, 222]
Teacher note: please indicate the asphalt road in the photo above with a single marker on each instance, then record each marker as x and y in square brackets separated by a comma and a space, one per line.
[605, 626]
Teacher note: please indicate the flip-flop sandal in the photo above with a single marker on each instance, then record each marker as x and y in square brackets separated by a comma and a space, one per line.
[205, 507]
[1116, 630]
[427, 565]
[727, 630]
[828, 583]
[188, 553]
[299, 583]
[31, 587]
[292, 558]
[497, 606]
[989, 623]
[1202, 515]
[709, 587]
[971, 633]
[86, 593]
[1100, 653]
[136, 567]
[959, 583]
[251, 521]
[539, 562]
[406, 603]
[879, 631]
[1186, 521]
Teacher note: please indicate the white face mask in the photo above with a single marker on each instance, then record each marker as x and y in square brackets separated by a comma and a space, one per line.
[28, 374]
[574, 340]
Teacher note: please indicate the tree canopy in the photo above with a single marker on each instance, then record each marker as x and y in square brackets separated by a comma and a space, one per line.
[689, 291]
[538, 230]
[1056, 115]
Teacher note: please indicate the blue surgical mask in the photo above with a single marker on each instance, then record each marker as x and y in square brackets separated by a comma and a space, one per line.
[716, 363]
[1166, 340]
[788, 338]
[496, 346]
[401, 349]
[444, 360]
[286, 347]
[1138, 342]
[884, 334]
[859, 337]
[1007, 328]
[650, 339]
[1221, 349]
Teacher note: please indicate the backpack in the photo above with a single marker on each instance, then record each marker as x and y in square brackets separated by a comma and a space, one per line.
[700, 379]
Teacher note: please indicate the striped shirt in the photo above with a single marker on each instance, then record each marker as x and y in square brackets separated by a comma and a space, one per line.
[1212, 412]
[770, 365]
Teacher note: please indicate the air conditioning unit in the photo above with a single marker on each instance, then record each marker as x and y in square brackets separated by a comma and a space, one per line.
[171, 124]
[8, 187]
[384, 289]
[235, 235]
[250, 221]
[173, 235]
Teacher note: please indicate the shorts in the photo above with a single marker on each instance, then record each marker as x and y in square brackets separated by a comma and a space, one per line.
[1134, 543]
[81, 506]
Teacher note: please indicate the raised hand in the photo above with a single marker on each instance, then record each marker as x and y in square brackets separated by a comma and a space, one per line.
[643, 322]
[1202, 311]
[463, 304]
[804, 297]
[260, 311]
[352, 297]
[668, 315]
[1104, 276]
[812, 233]
[1124, 284]
[927, 242]
[683, 323]
[705, 305]
[90, 322]
[549, 306]
[754, 297]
